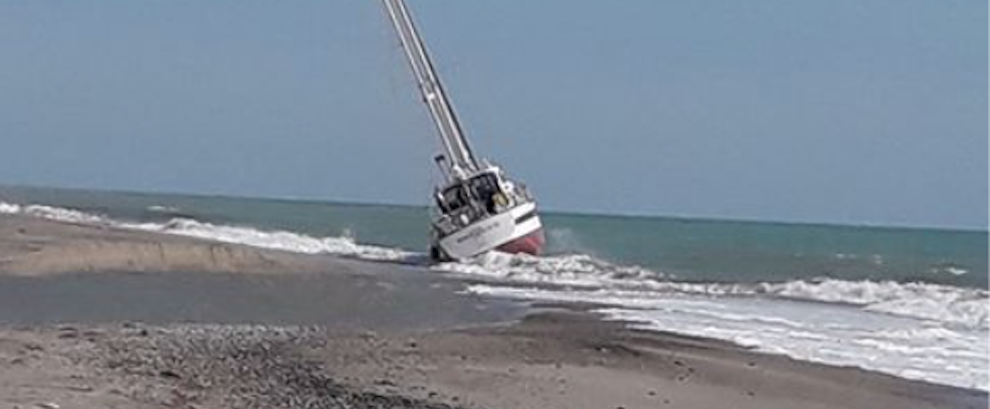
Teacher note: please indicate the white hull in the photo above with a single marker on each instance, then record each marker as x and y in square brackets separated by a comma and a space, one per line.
[478, 208]
[493, 232]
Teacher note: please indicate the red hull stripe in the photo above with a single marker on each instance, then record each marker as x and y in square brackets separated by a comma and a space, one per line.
[530, 244]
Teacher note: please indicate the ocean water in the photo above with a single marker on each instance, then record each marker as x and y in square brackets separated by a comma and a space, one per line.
[909, 302]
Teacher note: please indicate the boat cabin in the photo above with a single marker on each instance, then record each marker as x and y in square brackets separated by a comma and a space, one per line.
[479, 196]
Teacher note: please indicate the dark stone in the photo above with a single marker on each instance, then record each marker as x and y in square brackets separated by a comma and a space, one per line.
[169, 374]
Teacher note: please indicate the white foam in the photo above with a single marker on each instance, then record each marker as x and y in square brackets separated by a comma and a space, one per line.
[961, 306]
[954, 305]
[956, 271]
[573, 270]
[162, 209]
[52, 213]
[922, 331]
[9, 208]
[275, 239]
[835, 334]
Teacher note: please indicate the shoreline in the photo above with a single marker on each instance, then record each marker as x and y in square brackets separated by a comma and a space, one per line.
[550, 359]
[364, 332]
[31, 246]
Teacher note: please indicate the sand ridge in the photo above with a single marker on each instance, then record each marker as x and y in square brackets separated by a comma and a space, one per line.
[555, 357]
[33, 246]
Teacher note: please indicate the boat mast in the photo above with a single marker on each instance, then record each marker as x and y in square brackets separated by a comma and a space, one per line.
[459, 156]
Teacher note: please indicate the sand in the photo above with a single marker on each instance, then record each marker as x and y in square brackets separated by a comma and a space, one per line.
[34, 246]
[383, 336]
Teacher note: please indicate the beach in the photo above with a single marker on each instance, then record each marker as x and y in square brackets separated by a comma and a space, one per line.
[220, 325]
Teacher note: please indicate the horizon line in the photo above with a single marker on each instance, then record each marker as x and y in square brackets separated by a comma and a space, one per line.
[563, 212]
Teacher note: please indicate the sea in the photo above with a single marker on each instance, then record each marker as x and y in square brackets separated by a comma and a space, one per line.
[910, 302]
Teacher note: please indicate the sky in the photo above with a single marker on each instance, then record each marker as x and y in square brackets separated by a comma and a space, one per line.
[844, 111]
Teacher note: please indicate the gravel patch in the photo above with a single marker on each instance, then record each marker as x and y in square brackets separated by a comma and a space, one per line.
[244, 367]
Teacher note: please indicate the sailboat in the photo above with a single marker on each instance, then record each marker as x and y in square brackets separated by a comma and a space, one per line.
[477, 208]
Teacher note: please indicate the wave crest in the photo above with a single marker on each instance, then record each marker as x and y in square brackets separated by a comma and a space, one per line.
[954, 305]
[275, 239]
[572, 270]
[52, 213]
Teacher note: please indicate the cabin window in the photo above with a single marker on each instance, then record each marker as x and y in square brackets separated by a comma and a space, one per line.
[454, 198]
[485, 186]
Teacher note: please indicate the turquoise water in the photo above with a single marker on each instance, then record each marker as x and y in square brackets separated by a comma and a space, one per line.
[908, 302]
[686, 249]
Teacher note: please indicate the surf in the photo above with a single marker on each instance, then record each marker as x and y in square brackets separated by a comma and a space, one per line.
[916, 330]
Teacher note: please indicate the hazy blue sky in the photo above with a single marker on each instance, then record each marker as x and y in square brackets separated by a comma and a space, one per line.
[852, 111]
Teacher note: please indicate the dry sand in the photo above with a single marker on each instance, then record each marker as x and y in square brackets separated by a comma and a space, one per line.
[33, 246]
[559, 358]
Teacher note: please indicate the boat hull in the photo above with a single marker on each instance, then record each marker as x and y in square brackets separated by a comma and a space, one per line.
[529, 244]
[517, 230]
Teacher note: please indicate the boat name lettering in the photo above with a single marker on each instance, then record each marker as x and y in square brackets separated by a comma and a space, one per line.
[474, 233]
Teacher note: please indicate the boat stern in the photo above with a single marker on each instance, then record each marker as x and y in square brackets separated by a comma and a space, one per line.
[531, 244]
[518, 230]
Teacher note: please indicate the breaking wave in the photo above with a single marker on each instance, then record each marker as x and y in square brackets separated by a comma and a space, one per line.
[344, 245]
[163, 209]
[275, 240]
[830, 333]
[967, 307]
[52, 213]
[955, 305]
[571, 270]
[922, 331]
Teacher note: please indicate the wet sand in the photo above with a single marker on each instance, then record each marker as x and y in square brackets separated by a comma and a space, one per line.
[225, 326]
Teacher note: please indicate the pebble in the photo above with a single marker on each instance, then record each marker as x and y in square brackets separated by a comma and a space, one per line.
[250, 367]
